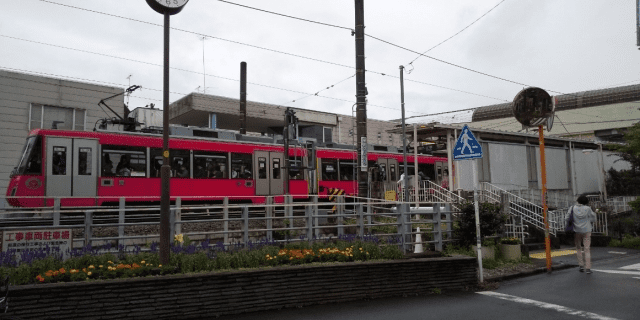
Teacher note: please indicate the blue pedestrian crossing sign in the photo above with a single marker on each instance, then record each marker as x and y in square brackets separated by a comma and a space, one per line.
[467, 147]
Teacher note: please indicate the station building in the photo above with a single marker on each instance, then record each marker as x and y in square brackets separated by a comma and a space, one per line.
[29, 101]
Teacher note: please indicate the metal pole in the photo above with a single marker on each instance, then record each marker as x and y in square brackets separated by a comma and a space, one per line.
[405, 185]
[361, 95]
[477, 212]
[545, 207]
[416, 179]
[166, 167]
[243, 97]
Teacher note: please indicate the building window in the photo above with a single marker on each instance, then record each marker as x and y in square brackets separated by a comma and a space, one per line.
[50, 117]
[327, 134]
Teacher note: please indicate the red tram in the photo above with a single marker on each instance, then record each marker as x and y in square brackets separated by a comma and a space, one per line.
[98, 168]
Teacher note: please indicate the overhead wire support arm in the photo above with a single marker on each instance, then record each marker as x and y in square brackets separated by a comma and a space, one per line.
[128, 90]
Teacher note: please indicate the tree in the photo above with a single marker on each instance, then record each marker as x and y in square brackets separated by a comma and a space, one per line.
[631, 150]
[626, 182]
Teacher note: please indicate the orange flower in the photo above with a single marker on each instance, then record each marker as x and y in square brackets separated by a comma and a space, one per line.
[62, 271]
[49, 273]
[40, 278]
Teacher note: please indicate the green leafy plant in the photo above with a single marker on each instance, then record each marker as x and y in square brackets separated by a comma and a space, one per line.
[511, 240]
[492, 221]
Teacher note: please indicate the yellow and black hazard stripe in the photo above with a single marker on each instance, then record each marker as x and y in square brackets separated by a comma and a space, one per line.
[333, 192]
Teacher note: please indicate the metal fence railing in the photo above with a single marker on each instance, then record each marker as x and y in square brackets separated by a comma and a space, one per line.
[239, 225]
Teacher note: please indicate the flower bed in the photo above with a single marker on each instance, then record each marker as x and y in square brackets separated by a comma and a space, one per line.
[91, 264]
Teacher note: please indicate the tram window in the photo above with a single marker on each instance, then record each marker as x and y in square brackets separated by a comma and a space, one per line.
[180, 163]
[426, 171]
[295, 172]
[212, 165]
[383, 172]
[84, 161]
[262, 168]
[329, 169]
[346, 170]
[59, 164]
[392, 172]
[276, 169]
[31, 160]
[241, 166]
[410, 168]
[131, 161]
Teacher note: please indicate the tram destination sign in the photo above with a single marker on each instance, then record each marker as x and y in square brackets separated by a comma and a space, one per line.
[34, 240]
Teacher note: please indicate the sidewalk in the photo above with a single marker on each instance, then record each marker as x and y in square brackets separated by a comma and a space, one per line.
[565, 258]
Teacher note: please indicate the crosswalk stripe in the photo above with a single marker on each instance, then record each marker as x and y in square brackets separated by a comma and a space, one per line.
[636, 273]
[632, 267]
[544, 305]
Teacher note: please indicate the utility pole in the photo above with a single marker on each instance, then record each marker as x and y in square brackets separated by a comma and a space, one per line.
[243, 97]
[405, 186]
[361, 102]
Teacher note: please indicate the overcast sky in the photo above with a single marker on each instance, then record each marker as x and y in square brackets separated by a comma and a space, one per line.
[560, 45]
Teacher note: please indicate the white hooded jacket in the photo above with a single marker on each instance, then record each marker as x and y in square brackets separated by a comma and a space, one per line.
[582, 218]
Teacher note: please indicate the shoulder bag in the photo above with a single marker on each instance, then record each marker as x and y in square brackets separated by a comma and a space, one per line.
[569, 227]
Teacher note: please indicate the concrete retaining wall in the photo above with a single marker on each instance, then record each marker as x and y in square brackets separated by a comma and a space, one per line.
[205, 295]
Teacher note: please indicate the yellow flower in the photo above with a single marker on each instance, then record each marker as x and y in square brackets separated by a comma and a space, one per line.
[160, 266]
[179, 238]
[100, 266]
[91, 267]
[110, 261]
[142, 261]
[89, 273]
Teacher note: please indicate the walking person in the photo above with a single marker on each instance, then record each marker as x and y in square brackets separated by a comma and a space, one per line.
[583, 216]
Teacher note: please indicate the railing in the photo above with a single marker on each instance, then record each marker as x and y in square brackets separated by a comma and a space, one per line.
[526, 210]
[241, 225]
[429, 192]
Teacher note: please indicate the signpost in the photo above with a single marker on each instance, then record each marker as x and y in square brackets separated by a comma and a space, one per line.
[166, 8]
[467, 147]
[534, 107]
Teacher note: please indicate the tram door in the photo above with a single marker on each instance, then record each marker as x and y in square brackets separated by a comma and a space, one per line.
[439, 167]
[71, 167]
[389, 173]
[270, 176]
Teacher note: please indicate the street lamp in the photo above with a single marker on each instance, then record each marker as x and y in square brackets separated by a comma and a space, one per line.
[166, 8]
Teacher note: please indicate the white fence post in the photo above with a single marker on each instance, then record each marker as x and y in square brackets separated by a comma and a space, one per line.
[88, 220]
[121, 220]
[177, 217]
[245, 225]
[340, 218]
[308, 212]
[437, 228]
[316, 213]
[369, 213]
[360, 221]
[269, 215]
[56, 212]
[225, 217]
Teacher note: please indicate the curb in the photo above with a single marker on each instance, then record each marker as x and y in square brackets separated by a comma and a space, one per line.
[531, 273]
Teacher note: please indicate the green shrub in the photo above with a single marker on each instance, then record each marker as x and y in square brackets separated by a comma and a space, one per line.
[492, 221]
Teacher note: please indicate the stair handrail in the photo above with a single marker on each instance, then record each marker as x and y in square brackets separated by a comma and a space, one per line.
[528, 215]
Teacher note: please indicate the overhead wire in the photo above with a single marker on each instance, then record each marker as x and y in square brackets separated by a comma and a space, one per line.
[263, 48]
[457, 33]
[326, 88]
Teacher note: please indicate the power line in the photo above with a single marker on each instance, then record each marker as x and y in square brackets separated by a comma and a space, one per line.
[327, 88]
[263, 48]
[457, 33]
[287, 16]
[565, 128]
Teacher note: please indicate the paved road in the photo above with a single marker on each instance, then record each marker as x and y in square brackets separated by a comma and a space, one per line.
[611, 292]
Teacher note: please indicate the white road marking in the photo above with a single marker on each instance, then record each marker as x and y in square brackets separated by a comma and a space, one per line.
[635, 273]
[636, 277]
[617, 252]
[544, 305]
[632, 267]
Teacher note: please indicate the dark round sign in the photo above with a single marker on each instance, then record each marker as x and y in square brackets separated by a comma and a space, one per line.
[533, 107]
[167, 6]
